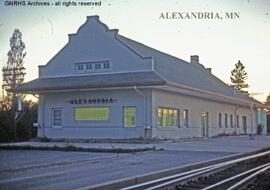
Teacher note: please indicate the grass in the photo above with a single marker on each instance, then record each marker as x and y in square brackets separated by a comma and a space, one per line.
[71, 148]
[139, 140]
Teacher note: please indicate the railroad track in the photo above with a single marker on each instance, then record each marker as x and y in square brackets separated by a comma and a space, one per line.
[242, 173]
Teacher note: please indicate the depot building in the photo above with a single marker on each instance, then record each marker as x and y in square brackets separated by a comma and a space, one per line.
[102, 85]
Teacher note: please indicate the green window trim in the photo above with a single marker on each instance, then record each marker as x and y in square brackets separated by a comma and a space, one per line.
[130, 116]
[185, 118]
[92, 114]
[56, 117]
[168, 117]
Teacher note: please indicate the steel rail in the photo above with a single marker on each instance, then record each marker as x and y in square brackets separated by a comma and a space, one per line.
[249, 177]
[237, 176]
[169, 180]
[165, 184]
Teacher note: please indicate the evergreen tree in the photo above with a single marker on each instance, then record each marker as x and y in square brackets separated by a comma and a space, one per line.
[239, 77]
[267, 102]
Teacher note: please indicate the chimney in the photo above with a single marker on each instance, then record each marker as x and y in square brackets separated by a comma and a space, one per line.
[209, 70]
[194, 59]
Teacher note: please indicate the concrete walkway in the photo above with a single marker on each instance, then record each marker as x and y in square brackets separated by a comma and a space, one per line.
[237, 144]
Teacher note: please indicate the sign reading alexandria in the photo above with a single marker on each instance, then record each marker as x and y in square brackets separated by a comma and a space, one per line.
[91, 100]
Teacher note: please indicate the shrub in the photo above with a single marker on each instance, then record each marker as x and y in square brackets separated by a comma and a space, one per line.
[259, 129]
[24, 126]
[6, 130]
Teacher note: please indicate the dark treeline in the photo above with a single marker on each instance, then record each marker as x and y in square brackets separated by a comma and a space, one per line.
[24, 124]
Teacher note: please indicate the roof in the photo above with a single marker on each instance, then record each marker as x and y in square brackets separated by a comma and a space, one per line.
[166, 69]
[182, 72]
[149, 78]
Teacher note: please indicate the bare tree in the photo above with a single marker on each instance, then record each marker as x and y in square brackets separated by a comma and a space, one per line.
[13, 71]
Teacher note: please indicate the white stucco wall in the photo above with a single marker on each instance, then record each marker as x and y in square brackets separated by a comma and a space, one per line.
[195, 107]
[111, 129]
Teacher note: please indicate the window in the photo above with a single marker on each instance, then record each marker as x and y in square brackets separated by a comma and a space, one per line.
[231, 120]
[92, 67]
[80, 67]
[92, 114]
[168, 117]
[261, 117]
[219, 120]
[185, 118]
[97, 66]
[56, 118]
[106, 65]
[129, 116]
[244, 122]
[89, 66]
[226, 120]
[237, 121]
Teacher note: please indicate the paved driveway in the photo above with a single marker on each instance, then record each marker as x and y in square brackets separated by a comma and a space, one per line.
[222, 144]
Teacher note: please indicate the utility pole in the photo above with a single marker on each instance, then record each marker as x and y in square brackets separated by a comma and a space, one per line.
[12, 77]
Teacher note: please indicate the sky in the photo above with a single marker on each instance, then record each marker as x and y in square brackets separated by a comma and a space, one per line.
[220, 43]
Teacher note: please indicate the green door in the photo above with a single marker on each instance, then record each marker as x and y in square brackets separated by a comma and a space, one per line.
[205, 124]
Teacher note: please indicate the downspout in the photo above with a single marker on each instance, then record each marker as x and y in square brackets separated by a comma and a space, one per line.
[235, 119]
[42, 104]
[144, 110]
[42, 119]
[252, 118]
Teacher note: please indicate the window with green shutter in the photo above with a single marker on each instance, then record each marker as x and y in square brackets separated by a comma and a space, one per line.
[129, 116]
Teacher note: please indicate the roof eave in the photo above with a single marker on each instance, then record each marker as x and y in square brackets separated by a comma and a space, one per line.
[256, 104]
[51, 90]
